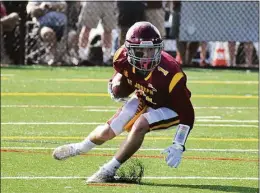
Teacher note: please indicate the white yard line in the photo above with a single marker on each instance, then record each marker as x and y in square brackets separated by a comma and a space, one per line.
[100, 123]
[59, 106]
[230, 108]
[145, 177]
[227, 121]
[2, 75]
[225, 125]
[208, 117]
[190, 82]
[146, 149]
[111, 107]
[100, 110]
[52, 123]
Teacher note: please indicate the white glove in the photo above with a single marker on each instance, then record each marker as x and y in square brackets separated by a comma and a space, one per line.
[174, 156]
[112, 96]
[109, 90]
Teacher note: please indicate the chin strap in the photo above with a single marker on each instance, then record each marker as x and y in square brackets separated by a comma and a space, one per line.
[181, 134]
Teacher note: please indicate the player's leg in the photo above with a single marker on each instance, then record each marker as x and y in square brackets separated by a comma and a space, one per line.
[103, 133]
[127, 149]
[134, 140]
[161, 118]
[151, 120]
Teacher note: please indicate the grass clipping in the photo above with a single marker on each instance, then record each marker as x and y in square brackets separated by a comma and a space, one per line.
[131, 172]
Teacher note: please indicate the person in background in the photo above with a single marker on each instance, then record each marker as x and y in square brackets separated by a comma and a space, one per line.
[15, 39]
[167, 18]
[232, 52]
[73, 11]
[247, 49]
[128, 13]
[52, 20]
[203, 55]
[154, 13]
[185, 50]
[91, 13]
[7, 23]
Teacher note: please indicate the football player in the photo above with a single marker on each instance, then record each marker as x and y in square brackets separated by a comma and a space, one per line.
[162, 100]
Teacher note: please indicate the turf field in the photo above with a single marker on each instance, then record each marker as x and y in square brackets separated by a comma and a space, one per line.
[42, 108]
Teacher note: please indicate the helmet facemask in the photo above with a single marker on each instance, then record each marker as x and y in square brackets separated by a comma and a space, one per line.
[144, 56]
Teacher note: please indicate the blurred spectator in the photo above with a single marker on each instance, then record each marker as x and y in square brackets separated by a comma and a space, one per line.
[7, 23]
[232, 52]
[73, 11]
[89, 17]
[14, 39]
[185, 50]
[245, 54]
[128, 13]
[52, 21]
[92, 55]
[249, 53]
[203, 54]
[167, 6]
[154, 13]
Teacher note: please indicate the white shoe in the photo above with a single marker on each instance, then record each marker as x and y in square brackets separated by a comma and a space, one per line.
[101, 176]
[65, 151]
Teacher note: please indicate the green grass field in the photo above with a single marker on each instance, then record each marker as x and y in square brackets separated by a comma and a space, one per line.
[42, 108]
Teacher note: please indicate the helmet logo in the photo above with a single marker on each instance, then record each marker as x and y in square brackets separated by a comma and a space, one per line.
[146, 43]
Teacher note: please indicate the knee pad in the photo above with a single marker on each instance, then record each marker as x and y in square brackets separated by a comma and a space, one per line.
[117, 124]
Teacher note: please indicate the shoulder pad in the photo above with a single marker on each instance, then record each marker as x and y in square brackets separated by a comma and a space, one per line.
[175, 79]
[117, 54]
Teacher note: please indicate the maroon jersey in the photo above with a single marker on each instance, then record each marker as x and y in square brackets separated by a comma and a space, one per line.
[165, 86]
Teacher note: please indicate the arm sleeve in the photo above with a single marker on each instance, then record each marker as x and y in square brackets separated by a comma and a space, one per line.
[180, 99]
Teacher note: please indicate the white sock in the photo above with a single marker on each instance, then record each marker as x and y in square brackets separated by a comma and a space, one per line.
[112, 165]
[85, 145]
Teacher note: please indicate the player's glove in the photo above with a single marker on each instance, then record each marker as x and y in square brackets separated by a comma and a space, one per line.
[109, 90]
[174, 154]
[112, 96]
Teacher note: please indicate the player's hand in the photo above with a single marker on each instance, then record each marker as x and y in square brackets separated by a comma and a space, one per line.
[112, 96]
[174, 155]
[109, 90]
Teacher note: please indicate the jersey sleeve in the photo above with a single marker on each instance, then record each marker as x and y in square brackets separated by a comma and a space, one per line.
[180, 99]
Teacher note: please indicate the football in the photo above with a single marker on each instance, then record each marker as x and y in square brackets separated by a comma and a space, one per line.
[120, 86]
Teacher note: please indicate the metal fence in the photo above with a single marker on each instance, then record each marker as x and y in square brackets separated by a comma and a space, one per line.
[227, 33]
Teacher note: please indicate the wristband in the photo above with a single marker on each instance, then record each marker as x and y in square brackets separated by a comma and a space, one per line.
[181, 134]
